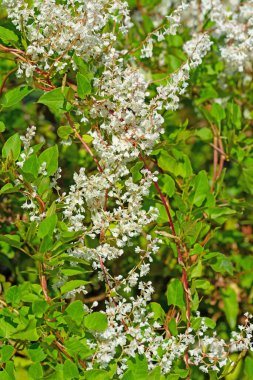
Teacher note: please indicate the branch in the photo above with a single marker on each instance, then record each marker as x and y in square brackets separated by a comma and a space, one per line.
[6, 78]
[86, 147]
[43, 283]
[184, 278]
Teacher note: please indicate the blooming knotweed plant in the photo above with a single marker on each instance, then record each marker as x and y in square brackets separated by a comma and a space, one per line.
[133, 192]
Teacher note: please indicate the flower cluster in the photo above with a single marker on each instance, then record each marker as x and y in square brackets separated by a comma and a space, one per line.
[127, 122]
[55, 31]
[232, 21]
[28, 150]
[140, 335]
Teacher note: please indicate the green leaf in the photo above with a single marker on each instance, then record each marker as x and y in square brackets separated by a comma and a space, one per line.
[231, 307]
[2, 127]
[173, 326]
[73, 271]
[179, 165]
[83, 67]
[204, 133]
[31, 232]
[36, 371]
[209, 322]
[97, 374]
[128, 375]
[219, 214]
[52, 209]
[181, 372]
[139, 367]
[173, 40]
[135, 170]
[31, 165]
[47, 226]
[202, 284]
[147, 22]
[8, 372]
[233, 369]
[201, 187]
[75, 347]
[70, 370]
[246, 177]
[10, 241]
[173, 376]
[248, 367]
[155, 374]
[6, 353]
[83, 85]
[166, 162]
[12, 147]
[197, 270]
[175, 293]
[46, 245]
[7, 327]
[87, 138]
[8, 188]
[163, 216]
[13, 295]
[73, 284]
[220, 263]
[36, 353]
[218, 113]
[96, 321]
[26, 331]
[234, 116]
[167, 184]
[159, 313]
[50, 157]
[55, 100]
[44, 186]
[14, 96]
[207, 93]
[39, 308]
[7, 35]
[58, 374]
[64, 131]
[75, 311]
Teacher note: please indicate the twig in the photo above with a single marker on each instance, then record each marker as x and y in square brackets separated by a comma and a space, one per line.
[184, 278]
[99, 297]
[43, 283]
[222, 157]
[218, 156]
[6, 78]
[215, 162]
[63, 350]
[87, 148]
[180, 256]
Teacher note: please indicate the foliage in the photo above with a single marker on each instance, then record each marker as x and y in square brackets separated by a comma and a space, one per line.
[126, 222]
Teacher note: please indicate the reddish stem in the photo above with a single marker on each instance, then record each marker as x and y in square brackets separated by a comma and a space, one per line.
[6, 78]
[222, 157]
[218, 155]
[41, 203]
[215, 162]
[87, 148]
[62, 349]
[180, 256]
[43, 283]
[184, 279]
